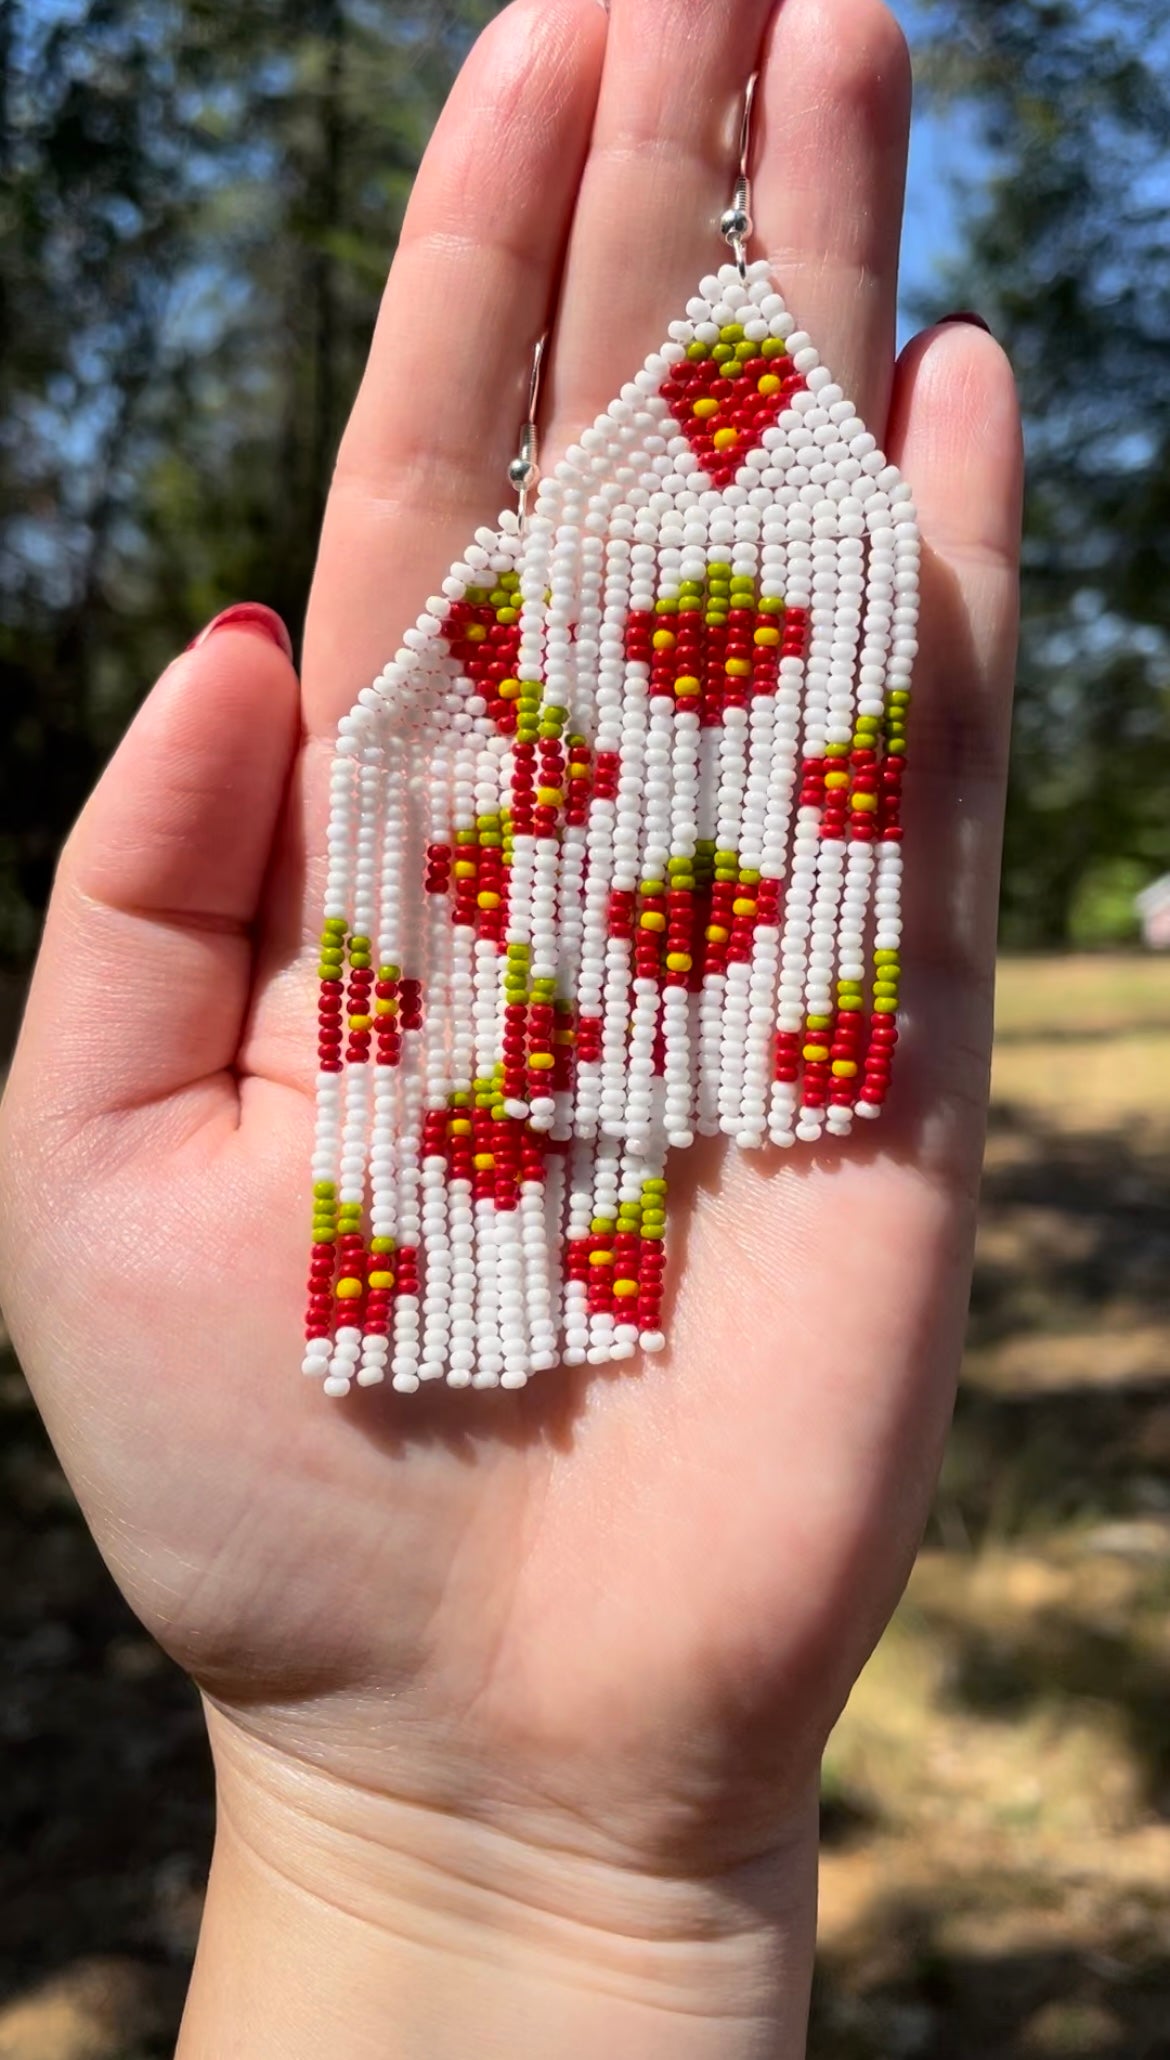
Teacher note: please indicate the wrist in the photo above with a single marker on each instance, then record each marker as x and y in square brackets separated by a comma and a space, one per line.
[341, 1920]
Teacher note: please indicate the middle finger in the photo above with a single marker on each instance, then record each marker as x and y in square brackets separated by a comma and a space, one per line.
[829, 156]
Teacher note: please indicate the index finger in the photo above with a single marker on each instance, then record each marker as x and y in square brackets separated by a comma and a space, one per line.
[424, 457]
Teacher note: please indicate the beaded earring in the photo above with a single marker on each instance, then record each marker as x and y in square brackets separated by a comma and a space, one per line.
[614, 859]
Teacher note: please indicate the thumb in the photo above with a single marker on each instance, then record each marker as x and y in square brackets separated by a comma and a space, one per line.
[145, 967]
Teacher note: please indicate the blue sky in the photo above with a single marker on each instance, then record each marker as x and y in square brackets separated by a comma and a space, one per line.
[943, 153]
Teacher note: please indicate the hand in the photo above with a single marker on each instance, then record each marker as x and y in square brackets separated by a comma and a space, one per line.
[567, 1657]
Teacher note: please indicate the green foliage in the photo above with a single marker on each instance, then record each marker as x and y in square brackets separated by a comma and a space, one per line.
[1066, 253]
[197, 210]
[1102, 910]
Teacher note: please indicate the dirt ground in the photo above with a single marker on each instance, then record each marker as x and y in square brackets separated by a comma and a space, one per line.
[996, 1871]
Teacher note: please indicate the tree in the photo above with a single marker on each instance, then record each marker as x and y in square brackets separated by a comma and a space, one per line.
[199, 207]
[1068, 256]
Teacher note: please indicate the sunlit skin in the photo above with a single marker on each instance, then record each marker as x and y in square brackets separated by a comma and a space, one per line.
[614, 1615]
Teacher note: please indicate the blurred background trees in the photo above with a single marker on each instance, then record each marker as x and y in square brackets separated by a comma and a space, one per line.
[198, 207]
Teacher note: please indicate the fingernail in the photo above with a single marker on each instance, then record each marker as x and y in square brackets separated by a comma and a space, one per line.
[252, 617]
[968, 315]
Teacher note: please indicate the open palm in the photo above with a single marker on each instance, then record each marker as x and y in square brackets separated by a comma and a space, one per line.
[620, 1608]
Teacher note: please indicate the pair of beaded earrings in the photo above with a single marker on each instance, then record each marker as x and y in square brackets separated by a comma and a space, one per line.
[614, 859]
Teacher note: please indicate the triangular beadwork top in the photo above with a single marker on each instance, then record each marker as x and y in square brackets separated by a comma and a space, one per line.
[614, 860]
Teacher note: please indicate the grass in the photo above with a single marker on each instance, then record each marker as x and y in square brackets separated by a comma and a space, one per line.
[996, 1878]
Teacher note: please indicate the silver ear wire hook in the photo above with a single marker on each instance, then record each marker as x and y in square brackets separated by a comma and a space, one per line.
[735, 223]
[524, 472]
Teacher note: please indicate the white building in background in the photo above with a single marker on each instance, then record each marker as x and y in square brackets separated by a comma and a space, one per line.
[1154, 909]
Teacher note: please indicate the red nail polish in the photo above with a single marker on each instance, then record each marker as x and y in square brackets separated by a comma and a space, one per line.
[967, 315]
[252, 617]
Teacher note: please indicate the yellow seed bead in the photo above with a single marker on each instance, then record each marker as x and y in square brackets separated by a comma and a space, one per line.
[601, 1258]
[766, 635]
[664, 640]
[361, 1023]
[816, 1053]
[743, 906]
[549, 797]
[465, 869]
[347, 1289]
[844, 1069]
[381, 1280]
[459, 1126]
[687, 686]
[768, 384]
[541, 1061]
[723, 439]
[716, 933]
[864, 802]
[678, 961]
[578, 769]
[476, 632]
[487, 898]
[625, 1288]
[836, 779]
[484, 1161]
[651, 919]
[509, 690]
[706, 407]
[738, 668]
